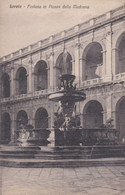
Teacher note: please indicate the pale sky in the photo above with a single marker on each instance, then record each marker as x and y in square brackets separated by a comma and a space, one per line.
[20, 27]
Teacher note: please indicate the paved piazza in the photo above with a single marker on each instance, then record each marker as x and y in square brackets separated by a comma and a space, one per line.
[106, 180]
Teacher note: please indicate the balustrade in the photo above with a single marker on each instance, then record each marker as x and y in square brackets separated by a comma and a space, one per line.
[35, 45]
[25, 49]
[100, 19]
[99, 136]
[120, 76]
[70, 31]
[16, 53]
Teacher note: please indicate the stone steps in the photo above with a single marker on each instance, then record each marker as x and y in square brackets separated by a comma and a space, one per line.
[51, 156]
[36, 163]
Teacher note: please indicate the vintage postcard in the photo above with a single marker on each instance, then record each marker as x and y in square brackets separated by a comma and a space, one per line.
[62, 97]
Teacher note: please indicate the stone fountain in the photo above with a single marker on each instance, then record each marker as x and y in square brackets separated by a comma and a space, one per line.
[67, 123]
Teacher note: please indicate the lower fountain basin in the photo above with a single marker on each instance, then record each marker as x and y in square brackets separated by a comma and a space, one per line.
[29, 137]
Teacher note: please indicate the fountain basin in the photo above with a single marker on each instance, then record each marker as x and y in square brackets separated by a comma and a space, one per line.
[63, 95]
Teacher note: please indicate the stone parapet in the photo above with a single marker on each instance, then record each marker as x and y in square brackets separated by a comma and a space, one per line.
[75, 30]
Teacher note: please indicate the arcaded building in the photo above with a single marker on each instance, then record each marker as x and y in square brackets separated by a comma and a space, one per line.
[93, 51]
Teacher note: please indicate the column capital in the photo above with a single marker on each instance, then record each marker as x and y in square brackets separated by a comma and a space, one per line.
[47, 56]
[77, 45]
[30, 61]
[51, 53]
[108, 33]
[116, 49]
[104, 51]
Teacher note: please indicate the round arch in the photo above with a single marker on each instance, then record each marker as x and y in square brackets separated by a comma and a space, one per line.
[5, 85]
[41, 118]
[117, 38]
[22, 118]
[63, 65]
[120, 54]
[21, 81]
[120, 116]
[93, 114]
[40, 76]
[92, 61]
[6, 127]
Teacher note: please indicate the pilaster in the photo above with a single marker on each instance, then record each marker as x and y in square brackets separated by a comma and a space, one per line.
[0, 125]
[51, 74]
[108, 107]
[30, 79]
[13, 127]
[109, 51]
[77, 62]
[115, 66]
[12, 84]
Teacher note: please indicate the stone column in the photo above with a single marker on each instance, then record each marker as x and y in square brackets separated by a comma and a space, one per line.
[54, 76]
[12, 84]
[104, 117]
[0, 126]
[52, 134]
[13, 127]
[83, 69]
[104, 64]
[84, 125]
[30, 114]
[51, 64]
[30, 89]
[80, 70]
[114, 113]
[77, 62]
[73, 67]
[115, 69]
[108, 52]
[108, 107]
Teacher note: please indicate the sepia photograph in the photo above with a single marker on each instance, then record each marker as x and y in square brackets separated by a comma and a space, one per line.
[62, 97]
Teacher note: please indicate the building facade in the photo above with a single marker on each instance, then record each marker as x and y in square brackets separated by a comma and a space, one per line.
[93, 51]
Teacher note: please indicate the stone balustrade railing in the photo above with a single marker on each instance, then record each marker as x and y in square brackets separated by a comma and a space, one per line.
[99, 136]
[25, 49]
[29, 95]
[91, 82]
[45, 42]
[84, 25]
[66, 33]
[99, 19]
[118, 11]
[8, 57]
[87, 83]
[57, 36]
[120, 76]
[35, 45]
[17, 53]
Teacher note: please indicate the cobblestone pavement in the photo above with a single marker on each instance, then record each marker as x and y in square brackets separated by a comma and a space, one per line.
[106, 180]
